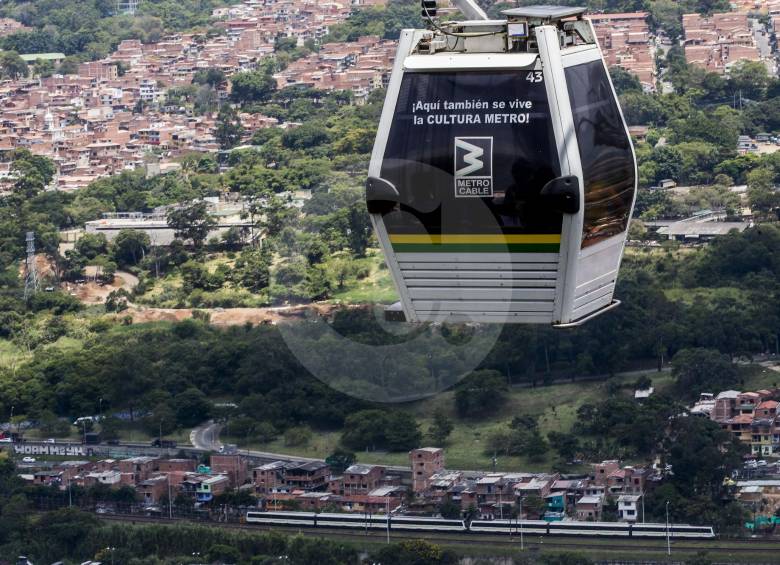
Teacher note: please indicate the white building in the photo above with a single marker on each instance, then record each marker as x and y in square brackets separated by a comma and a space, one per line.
[627, 507]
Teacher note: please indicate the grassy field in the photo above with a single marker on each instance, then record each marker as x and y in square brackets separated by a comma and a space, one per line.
[376, 287]
[555, 406]
[11, 355]
[691, 295]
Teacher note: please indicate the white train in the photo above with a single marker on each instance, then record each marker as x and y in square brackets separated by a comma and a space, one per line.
[421, 524]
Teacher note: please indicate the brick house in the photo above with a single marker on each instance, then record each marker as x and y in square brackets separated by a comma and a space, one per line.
[308, 477]
[140, 468]
[425, 462]
[359, 479]
[589, 508]
[232, 466]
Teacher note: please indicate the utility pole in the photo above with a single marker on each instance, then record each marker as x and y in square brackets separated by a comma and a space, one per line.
[30, 270]
[387, 511]
[170, 500]
[520, 518]
[668, 542]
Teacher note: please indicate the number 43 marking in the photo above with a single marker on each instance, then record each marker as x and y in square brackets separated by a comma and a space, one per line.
[534, 76]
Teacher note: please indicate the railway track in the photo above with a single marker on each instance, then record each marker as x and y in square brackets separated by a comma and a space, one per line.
[530, 541]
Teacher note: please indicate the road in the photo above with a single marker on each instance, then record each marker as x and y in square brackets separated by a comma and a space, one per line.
[762, 39]
[206, 436]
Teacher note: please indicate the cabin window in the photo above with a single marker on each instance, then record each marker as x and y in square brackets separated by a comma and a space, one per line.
[469, 153]
[605, 151]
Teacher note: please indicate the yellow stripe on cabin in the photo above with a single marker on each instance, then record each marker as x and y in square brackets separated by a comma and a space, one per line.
[475, 238]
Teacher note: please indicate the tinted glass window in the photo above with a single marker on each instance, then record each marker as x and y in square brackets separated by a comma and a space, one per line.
[469, 153]
[605, 151]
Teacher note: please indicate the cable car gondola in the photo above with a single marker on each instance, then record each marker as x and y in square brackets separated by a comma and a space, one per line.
[502, 177]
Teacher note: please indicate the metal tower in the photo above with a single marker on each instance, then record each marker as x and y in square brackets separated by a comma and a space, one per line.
[30, 271]
[127, 7]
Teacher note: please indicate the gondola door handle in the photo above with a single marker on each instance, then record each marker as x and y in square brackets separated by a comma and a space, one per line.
[562, 194]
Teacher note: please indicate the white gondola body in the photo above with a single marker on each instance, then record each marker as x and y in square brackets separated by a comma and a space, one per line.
[477, 138]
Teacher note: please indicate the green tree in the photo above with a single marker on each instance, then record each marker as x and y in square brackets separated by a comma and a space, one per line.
[228, 130]
[340, 459]
[440, 428]
[252, 269]
[192, 222]
[297, 436]
[402, 432]
[702, 370]
[252, 86]
[449, 510]
[192, 407]
[223, 554]
[763, 195]
[90, 245]
[32, 173]
[13, 66]
[43, 68]
[480, 393]
[212, 76]
[624, 81]
[750, 78]
[130, 246]
[414, 552]
[567, 445]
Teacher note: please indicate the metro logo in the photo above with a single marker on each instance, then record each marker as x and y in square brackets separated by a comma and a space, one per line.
[473, 167]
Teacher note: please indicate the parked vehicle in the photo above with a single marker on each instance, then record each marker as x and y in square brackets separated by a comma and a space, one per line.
[166, 443]
[91, 438]
[28, 459]
[84, 419]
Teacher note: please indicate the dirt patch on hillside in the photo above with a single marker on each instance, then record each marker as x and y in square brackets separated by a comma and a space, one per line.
[91, 292]
[231, 316]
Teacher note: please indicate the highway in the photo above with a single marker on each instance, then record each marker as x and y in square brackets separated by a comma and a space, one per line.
[206, 437]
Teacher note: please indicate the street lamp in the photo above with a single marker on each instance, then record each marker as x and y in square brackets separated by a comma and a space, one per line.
[111, 549]
[668, 543]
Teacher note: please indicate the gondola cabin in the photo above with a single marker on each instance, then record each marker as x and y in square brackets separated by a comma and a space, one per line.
[502, 177]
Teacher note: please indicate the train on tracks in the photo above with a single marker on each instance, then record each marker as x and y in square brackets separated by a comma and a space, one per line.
[493, 527]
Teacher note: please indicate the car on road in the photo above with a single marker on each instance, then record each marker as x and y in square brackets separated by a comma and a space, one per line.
[28, 459]
[169, 443]
[50, 440]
